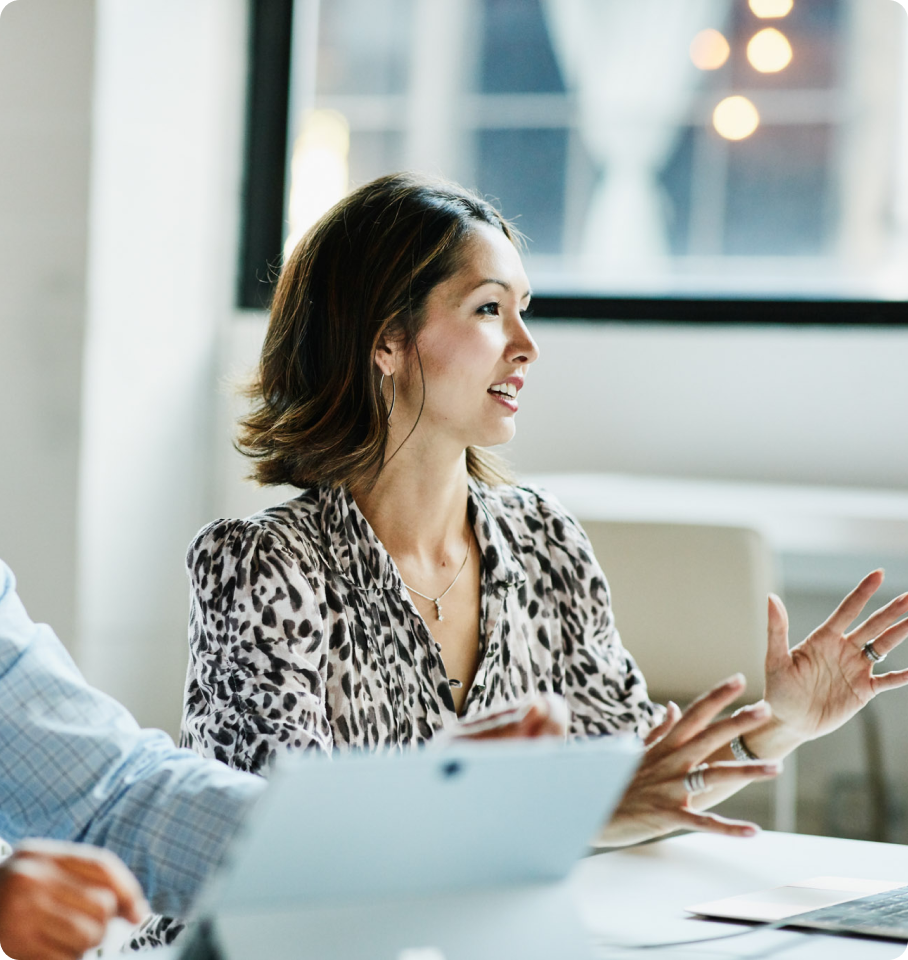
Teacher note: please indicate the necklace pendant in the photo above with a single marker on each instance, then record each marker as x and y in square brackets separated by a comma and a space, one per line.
[438, 615]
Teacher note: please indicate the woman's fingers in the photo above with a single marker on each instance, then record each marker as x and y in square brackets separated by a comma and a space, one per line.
[672, 716]
[703, 711]
[722, 732]
[850, 608]
[889, 681]
[713, 823]
[777, 633]
[874, 625]
[725, 773]
[546, 715]
[889, 639]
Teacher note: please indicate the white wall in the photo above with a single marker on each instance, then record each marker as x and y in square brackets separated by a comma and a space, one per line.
[169, 95]
[812, 405]
[46, 49]
[791, 405]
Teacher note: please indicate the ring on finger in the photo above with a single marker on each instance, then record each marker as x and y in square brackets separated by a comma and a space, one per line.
[871, 653]
[695, 780]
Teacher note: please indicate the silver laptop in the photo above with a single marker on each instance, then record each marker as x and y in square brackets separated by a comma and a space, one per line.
[876, 908]
[455, 854]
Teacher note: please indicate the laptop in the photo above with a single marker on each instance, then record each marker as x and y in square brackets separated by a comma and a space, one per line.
[454, 854]
[877, 908]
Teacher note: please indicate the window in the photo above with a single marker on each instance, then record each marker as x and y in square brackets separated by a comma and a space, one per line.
[654, 148]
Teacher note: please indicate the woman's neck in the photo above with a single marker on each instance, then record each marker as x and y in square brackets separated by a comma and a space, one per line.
[418, 508]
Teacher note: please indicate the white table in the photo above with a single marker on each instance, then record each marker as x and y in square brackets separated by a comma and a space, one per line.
[639, 895]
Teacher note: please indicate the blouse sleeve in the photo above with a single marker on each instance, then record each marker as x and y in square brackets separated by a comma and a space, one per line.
[257, 650]
[605, 689]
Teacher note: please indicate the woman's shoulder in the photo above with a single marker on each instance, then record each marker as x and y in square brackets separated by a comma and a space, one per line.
[531, 510]
[290, 529]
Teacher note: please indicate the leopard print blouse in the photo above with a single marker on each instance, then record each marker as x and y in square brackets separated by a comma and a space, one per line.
[303, 637]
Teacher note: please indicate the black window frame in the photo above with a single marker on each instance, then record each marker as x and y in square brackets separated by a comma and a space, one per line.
[263, 205]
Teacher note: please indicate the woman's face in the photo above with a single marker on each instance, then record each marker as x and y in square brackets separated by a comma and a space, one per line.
[475, 349]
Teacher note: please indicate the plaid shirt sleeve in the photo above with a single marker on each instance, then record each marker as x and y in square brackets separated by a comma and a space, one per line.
[75, 765]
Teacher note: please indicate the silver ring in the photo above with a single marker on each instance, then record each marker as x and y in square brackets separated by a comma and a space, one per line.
[695, 780]
[870, 652]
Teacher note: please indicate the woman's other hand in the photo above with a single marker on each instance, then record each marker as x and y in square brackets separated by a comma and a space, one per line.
[546, 715]
[659, 797]
[818, 685]
[56, 899]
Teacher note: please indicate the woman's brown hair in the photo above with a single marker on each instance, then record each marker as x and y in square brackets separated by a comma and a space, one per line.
[360, 275]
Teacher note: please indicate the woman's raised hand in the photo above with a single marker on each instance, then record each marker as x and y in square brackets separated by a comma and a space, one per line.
[816, 686]
[659, 797]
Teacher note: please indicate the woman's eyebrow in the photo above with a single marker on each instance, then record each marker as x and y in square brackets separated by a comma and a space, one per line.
[500, 283]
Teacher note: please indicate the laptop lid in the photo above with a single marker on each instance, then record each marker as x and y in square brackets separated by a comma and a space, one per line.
[448, 850]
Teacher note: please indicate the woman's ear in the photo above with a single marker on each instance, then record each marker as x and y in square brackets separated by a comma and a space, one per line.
[386, 357]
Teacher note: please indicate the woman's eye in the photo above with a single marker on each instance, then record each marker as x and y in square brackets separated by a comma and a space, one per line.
[489, 309]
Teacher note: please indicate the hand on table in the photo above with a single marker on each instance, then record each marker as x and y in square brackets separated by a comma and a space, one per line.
[56, 899]
[658, 799]
[818, 685]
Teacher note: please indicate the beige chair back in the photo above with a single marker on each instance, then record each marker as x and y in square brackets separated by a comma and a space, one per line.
[689, 601]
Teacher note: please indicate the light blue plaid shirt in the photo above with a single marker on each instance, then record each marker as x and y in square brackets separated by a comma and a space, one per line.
[75, 765]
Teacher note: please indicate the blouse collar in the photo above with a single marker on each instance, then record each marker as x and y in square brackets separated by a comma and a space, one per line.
[356, 553]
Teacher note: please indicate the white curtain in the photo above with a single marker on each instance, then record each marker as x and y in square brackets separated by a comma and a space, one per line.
[628, 63]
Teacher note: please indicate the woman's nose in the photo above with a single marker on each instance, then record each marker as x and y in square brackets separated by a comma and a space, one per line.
[524, 348]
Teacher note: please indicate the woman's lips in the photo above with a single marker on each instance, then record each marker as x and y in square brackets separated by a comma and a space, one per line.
[504, 400]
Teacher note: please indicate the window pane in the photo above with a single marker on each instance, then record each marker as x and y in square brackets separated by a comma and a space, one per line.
[517, 55]
[523, 171]
[363, 47]
[645, 147]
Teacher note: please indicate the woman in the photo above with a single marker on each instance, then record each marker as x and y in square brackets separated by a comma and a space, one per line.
[411, 585]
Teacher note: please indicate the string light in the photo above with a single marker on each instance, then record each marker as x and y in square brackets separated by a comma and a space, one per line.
[769, 51]
[766, 9]
[709, 50]
[735, 118]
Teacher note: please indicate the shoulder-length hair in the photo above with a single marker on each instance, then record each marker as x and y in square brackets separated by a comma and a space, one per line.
[361, 274]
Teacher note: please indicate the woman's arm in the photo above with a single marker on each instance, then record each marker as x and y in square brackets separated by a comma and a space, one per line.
[258, 650]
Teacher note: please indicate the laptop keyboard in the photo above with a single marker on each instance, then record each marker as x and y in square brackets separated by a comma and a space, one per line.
[885, 913]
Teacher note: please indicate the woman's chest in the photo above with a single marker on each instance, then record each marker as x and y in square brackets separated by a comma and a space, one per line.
[388, 681]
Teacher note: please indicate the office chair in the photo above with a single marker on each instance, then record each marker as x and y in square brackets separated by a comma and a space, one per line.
[690, 606]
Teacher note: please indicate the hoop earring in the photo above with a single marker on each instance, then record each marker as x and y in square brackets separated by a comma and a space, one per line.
[393, 392]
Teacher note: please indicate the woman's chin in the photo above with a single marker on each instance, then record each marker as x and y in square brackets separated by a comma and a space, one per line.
[503, 432]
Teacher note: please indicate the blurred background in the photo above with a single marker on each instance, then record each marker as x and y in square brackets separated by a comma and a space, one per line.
[715, 194]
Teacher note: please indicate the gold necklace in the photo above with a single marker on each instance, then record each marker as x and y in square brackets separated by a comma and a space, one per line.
[437, 600]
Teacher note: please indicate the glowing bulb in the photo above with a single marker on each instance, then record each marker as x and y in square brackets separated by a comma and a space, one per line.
[735, 118]
[765, 9]
[319, 171]
[709, 50]
[769, 51]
